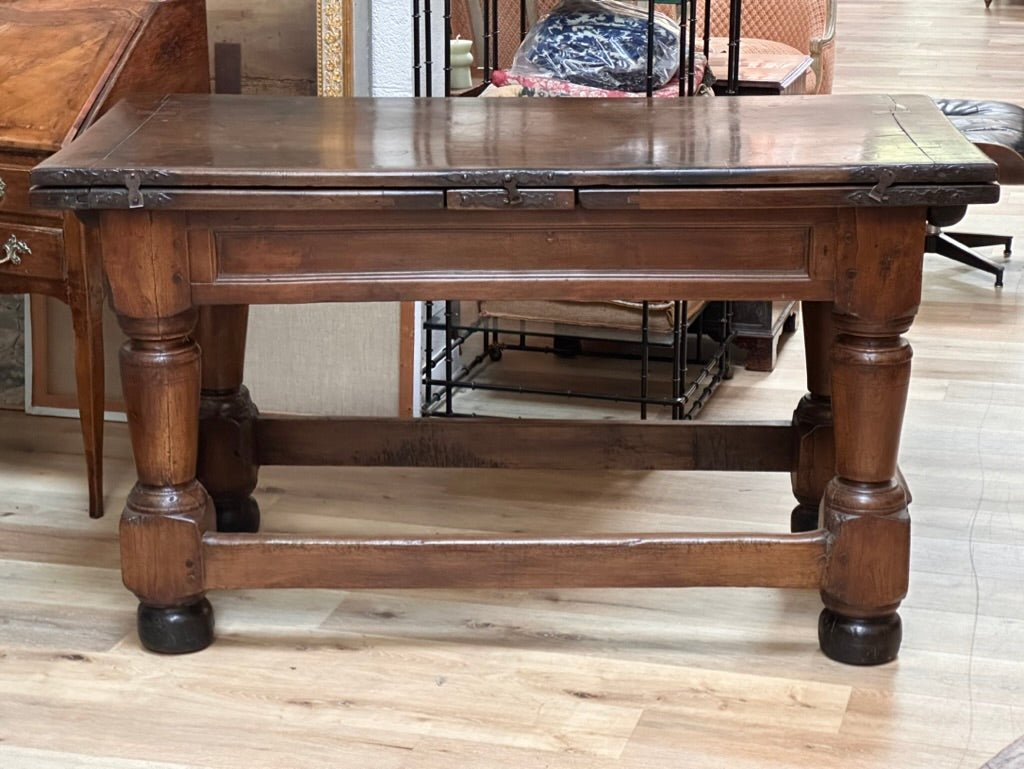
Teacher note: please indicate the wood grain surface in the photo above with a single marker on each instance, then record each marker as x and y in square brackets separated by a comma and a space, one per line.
[516, 563]
[517, 444]
[456, 143]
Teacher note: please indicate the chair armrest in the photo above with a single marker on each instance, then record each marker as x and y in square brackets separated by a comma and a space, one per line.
[827, 38]
[829, 33]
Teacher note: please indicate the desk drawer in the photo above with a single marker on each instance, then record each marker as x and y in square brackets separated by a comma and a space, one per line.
[31, 252]
[14, 184]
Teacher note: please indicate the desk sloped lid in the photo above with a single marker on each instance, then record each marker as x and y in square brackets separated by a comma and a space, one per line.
[55, 57]
[396, 143]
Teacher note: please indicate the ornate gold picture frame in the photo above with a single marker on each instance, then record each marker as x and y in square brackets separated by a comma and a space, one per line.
[334, 47]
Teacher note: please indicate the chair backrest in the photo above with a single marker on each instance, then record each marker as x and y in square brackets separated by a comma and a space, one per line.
[468, 21]
[793, 22]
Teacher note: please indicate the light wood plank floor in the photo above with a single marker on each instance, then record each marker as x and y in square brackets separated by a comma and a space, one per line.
[608, 678]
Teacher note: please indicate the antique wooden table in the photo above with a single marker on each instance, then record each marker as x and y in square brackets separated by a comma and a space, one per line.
[205, 205]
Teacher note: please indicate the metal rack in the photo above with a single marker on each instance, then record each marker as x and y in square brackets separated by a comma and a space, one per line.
[693, 378]
[423, 62]
[691, 385]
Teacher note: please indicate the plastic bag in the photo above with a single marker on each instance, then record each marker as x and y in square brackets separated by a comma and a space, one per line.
[599, 43]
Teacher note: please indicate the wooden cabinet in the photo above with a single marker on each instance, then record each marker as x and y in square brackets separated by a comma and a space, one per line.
[62, 64]
[759, 327]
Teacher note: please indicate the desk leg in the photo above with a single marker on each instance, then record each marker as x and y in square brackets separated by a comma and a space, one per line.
[85, 299]
[864, 509]
[816, 454]
[168, 510]
[227, 419]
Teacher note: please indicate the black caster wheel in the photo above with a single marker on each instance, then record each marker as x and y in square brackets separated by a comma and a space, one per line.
[567, 347]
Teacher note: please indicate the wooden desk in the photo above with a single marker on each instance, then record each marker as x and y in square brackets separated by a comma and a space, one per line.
[205, 205]
[62, 63]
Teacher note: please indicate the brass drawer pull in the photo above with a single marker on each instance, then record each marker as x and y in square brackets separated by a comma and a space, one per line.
[13, 250]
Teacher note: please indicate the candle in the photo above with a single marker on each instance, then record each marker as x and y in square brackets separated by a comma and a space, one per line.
[461, 63]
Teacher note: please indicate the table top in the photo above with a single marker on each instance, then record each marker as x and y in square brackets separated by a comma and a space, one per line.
[394, 143]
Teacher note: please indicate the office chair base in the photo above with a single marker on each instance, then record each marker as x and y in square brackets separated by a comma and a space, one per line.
[950, 247]
[980, 240]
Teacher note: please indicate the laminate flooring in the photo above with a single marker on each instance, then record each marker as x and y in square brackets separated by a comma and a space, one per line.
[570, 678]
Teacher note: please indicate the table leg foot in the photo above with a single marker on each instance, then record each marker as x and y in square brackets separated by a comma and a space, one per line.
[816, 451]
[860, 640]
[226, 464]
[176, 629]
[237, 514]
[803, 518]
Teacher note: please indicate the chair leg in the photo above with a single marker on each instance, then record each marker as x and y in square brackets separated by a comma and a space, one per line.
[942, 244]
[980, 240]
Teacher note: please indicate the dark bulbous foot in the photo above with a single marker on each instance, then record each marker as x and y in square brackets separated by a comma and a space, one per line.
[178, 629]
[860, 641]
[237, 515]
[803, 519]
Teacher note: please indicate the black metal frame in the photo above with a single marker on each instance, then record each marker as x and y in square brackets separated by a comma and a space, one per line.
[687, 398]
[423, 63]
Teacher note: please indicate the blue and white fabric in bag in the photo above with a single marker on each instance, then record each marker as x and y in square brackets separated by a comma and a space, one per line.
[600, 43]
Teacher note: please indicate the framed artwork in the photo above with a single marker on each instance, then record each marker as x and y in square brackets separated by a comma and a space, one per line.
[334, 47]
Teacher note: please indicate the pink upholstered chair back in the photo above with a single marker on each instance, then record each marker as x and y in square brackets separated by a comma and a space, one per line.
[806, 25]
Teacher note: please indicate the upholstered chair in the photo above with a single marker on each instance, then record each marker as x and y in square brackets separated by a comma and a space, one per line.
[997, 129]
[782, 26]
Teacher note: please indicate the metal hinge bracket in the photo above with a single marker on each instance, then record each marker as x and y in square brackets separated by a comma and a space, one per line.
[885, 181]
[512, 188]
[133, 182]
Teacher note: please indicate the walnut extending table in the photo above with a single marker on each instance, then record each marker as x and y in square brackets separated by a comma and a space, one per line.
[205, 205]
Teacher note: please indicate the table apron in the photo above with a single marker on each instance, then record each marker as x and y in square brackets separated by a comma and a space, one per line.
[347, 256]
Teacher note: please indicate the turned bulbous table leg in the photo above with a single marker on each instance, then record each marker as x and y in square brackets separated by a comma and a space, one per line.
[227, 418]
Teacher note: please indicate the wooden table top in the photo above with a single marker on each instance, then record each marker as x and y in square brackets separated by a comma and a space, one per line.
[302, 142]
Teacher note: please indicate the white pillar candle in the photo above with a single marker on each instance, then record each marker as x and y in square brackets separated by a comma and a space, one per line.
[462, 64]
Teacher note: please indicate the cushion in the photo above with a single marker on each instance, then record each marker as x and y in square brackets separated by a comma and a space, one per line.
[720, 45]
[987, 122]
[615, 314]
[539, 85]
